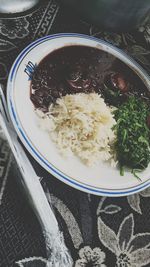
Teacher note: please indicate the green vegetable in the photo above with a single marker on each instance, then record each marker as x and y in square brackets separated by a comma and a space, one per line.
[133, 134]
[135, 173]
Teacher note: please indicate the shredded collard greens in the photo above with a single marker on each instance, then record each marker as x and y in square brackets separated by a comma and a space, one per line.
[133, 134]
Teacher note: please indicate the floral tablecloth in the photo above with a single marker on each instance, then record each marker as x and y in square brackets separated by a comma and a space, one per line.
[98, 231]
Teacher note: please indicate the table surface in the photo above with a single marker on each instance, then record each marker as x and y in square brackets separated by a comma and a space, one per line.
[98, 231]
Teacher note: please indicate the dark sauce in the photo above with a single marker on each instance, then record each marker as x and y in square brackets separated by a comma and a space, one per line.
[76, 69]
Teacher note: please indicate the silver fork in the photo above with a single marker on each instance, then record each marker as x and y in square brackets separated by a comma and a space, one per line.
[58, 254]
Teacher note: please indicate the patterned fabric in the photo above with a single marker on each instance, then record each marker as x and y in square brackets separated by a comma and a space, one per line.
[98, 231]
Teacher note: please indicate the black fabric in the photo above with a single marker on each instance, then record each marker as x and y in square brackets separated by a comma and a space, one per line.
[116, 230]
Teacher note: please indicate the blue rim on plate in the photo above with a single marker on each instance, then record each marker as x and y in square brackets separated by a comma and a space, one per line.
[29, 146]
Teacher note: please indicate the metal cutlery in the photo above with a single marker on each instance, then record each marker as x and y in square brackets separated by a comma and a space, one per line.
[58, 254]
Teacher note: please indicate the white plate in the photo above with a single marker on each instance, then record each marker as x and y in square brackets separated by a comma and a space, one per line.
[99, 180]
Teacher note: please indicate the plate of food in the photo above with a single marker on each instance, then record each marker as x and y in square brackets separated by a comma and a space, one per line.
[81, 107]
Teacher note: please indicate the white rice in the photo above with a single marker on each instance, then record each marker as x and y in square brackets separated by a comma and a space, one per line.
[82, 124]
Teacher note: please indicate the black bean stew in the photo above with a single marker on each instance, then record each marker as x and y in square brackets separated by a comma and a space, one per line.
[74, 69]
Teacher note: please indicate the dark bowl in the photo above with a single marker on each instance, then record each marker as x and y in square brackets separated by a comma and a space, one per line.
[114, 15]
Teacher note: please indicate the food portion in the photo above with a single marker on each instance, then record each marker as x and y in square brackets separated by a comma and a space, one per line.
[69, 70]
[82, 124]
[133, 134]
[94, 106]
[81, 69]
